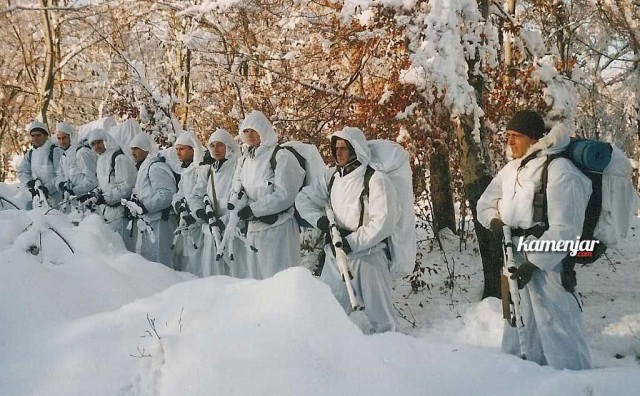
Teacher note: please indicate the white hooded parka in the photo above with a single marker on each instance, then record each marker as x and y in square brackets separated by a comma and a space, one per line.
[552, 316]
[78, 164]
[270, 192]
[41, 163]
[154, 188]
[217, 183]
[115, 183]
[187, 252]
[367, 260]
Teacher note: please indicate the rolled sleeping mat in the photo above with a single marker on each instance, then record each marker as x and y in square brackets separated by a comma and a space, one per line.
[590, 155]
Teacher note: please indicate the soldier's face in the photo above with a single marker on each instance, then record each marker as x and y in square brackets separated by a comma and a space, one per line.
[64, 140]
[342, 152]
[218, 150]
[251, 137]
[98, 147]
[185, 153]
[518, 143]
[138, 154]
[38, 137]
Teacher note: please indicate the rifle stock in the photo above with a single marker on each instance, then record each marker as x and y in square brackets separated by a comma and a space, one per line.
[515, 310]
[341, 259]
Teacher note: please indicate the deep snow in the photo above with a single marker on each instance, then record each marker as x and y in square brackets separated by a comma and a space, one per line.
[81, 323]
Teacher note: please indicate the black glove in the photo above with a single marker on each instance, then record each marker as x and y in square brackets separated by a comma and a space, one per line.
[33, 192]
[45, 191]
[202, 214]
[178, 207]
[344, 233]
[188, 219]
[218, 223]
[62, 186]
[245, 213]
[345, 246]
[523, 274]
[31, 184]
[100, 199]
[496, 228]
[323, 224]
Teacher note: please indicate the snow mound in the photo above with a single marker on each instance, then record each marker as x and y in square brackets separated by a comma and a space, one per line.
[102, 321]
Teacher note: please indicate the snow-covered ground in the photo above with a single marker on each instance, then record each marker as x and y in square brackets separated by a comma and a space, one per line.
[103, 321]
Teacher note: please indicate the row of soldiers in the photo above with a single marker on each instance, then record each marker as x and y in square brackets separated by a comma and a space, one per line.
[226, 212]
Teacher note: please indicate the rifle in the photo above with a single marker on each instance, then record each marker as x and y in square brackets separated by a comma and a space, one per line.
[214, 225]
[183, 225]
[40, 195]
[238, 200]
[341, 259]
[83, 202]
[133, 211]
[232, 232]
[511, 309]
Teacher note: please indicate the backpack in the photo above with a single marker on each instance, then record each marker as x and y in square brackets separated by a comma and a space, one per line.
[52, 148]
[176, 176]
[393, 160]
[308, 157]
[112, 169]
[310, 161]
[611, 203]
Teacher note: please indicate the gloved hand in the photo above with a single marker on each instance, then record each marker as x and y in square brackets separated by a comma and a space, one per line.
[496, 228]
[523, 274]
[100, 199]
[62, 186]
[344, 233]
[202, 214]
[45, 191]
[345, 246]
[189, 220]
[323, 224]
[218, 223]
[245, 213]
[31, 184]
[33, 192]
[178, 207]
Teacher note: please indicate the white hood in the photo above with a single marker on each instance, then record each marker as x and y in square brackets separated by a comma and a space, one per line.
[63, 127]
[223, 136]
[358, 141]
[257, 121]
[188, 138]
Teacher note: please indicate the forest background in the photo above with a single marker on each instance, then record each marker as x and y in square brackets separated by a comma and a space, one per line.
[441, 77]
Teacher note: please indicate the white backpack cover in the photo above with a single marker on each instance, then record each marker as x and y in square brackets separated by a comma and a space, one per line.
[314, 166]
[105, 123]
[123, 134]
[619, 200]
[392, 159]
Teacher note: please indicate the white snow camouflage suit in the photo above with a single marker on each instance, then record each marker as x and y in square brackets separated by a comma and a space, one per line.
[552, 316]
[368, 259]
[188, 248]
[154, 188]
[270, 192]
[217, 183]
[77, 165]
[115, 183]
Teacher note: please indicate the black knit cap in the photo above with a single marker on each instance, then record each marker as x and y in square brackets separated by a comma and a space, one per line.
[528, 123]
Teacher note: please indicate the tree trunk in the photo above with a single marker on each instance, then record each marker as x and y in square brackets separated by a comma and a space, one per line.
[476, 178]
[48, 76]
[440, 187]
